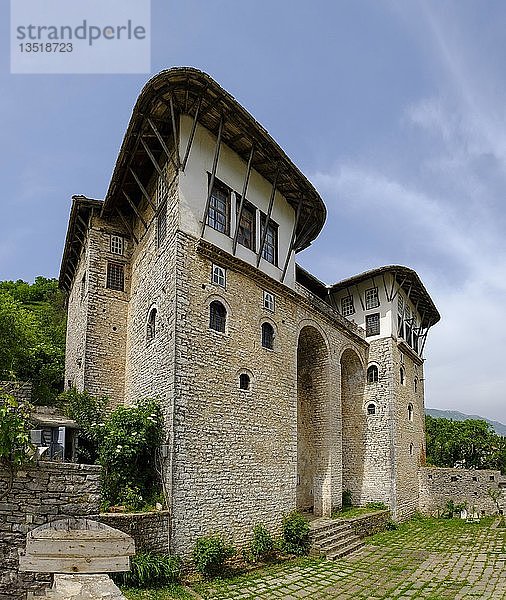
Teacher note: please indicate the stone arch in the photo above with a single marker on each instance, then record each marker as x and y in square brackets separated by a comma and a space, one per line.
[354, 423]
[313, 492]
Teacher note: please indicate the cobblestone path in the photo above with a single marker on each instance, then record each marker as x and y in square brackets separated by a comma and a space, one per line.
[429, 559]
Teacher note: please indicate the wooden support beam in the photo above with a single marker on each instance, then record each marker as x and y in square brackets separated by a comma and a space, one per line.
[385, 287]
[397, 290]
[213, 175]
[360, 298]
[174, 131]
[162, 142]
[143, 190]
[243, 199]
[82, 221]
[127, 226]
[269, 214]
[135, 209]
[154, 161]
[292, 240]
[192, 135]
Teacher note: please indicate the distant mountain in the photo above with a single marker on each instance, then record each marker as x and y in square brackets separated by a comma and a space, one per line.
[455, 415]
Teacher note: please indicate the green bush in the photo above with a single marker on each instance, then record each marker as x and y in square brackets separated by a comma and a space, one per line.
[295, 534]
[210, 553]
[262, 545]
[149, 569]
[346, 498]
[390, 525]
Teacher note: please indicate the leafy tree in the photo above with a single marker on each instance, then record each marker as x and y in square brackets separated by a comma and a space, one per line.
[32, 329]
[15, 446]
[471, 444]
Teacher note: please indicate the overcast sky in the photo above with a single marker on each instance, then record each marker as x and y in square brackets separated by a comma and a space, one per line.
[395, 110]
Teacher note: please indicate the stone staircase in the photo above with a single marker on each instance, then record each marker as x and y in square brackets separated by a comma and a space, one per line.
[332, 538]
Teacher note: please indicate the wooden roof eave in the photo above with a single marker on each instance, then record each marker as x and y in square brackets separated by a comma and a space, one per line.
[408, 280]
[81, 207]
[186, 87]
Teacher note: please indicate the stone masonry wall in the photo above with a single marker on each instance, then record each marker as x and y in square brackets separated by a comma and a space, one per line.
[409, 445]
[236, 450]
[439, 485]
[21, 390]
[149, 530]
[40, 493]
[378, 467]
[366, 525]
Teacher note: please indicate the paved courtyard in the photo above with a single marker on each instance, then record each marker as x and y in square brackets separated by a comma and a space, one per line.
[422, 559]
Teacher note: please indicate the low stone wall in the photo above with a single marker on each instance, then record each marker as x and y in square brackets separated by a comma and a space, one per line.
[150, 530]
[21, 390]
[438, 486]
[40, 493]
[366, 525]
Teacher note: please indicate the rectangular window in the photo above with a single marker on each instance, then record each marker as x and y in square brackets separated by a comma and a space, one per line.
[117, 244]
[219, 208]
[347, 306]
[161, 191]
[246, 233]
[161, 224]
[83, 287]
[115, 277]
[218, 276]
[270, 249]
[372, 324]
[269, 301]
[371, 298]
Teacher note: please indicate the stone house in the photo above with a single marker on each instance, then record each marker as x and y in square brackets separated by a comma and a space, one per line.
[278, 391]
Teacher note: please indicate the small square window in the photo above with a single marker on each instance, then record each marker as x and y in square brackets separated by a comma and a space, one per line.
[475, 478]
[347, 306]
[429, 477]
[492, 477]
[117, 244]
[219, 276]
[371, 298]
[372, 324]
[454, 478]
[269, 302]
[115, 277]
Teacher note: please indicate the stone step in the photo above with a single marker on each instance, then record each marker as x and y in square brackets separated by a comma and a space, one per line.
[333, 538]
[353, 546]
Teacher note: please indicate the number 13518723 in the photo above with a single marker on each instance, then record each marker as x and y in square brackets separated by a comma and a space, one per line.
[46, 47]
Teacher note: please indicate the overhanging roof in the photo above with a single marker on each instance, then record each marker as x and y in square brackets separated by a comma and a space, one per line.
[193, 92]
[409, 281]
[76, 235]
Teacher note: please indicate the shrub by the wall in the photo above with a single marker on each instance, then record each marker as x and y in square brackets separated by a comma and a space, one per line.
[295, 534]
[262, 545]
[210, 554]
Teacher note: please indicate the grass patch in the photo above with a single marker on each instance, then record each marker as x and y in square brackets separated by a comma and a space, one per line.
[169, 592]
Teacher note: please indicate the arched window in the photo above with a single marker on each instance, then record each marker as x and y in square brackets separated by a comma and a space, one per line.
[410, 412]
[372, 374]
[415, 383]
[151, 326]
[244, 381]
[411, 449]
[402, 376]
[371, 409]
[217, 316]
[267, 336]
